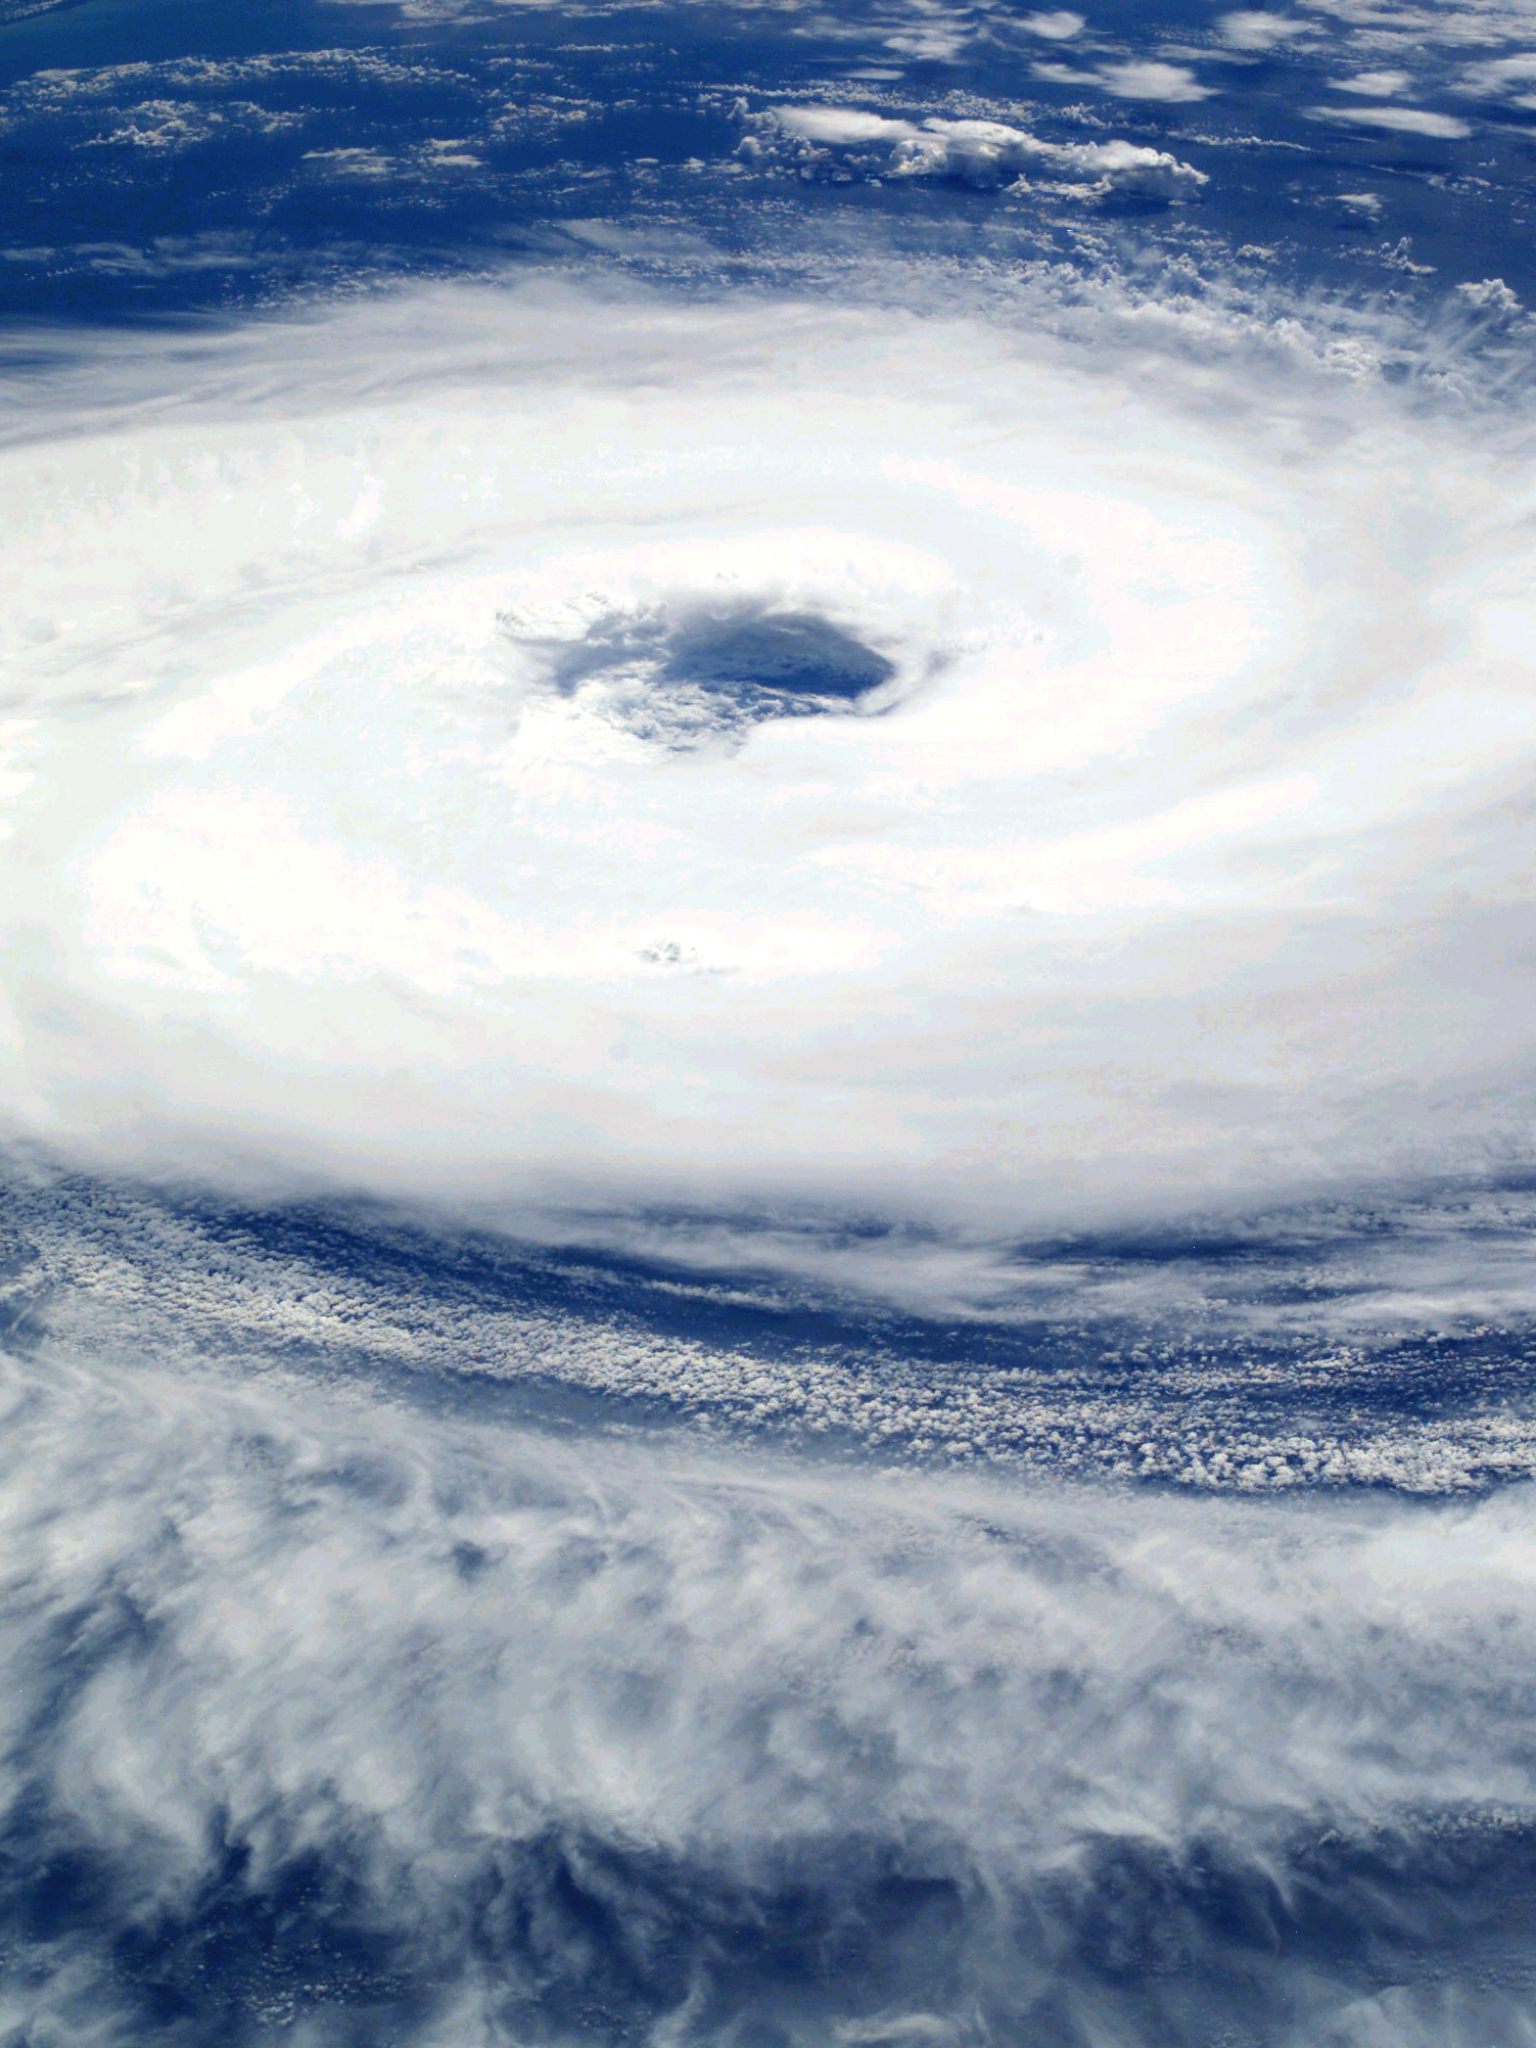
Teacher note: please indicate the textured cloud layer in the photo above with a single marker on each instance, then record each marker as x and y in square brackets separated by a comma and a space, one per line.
[365, 811]
[1385, 1346]
[327, 1719]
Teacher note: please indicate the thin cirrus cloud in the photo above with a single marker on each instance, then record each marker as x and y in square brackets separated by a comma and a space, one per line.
[387, 795]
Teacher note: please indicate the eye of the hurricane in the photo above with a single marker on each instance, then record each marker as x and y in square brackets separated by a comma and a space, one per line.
[794, 656]
[685, 676]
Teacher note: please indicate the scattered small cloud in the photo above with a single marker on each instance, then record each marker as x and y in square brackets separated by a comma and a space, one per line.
[932, 45]
[1373, 85]
[1147, 80]
[1254, 29]
[986, 153]
[1505, 77]
[1396, 120]
[1490, 295]
[1135, 79]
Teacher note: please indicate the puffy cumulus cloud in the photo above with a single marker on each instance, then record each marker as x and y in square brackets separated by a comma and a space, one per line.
[1331, 1346]
[1374, 85]
[326, 1719]
[986, 152]
[931, 33]
[536, 742]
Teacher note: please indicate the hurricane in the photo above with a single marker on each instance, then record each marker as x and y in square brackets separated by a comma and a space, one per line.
[768, 1101]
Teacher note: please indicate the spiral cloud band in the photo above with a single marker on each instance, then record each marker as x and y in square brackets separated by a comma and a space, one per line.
[345, 1724]
[756, 751]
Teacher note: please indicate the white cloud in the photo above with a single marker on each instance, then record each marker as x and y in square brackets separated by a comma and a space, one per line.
[985, 152]
[1396, 120]
[1383, 25]
[1505, 76]
[1132, 80]
[1374, 85]
[1058, 26]
[1151, 81]
[1490, 294]
[427, 1662]
[1340, 1298]
[1192, 759]
[932, 42]
[840, 124]
[1253, 29]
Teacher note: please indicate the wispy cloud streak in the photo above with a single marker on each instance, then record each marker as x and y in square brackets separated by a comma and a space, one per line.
[1185, 848]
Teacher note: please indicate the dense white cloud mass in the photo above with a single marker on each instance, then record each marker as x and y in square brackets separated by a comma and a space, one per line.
[985, 152]
[360, 814]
